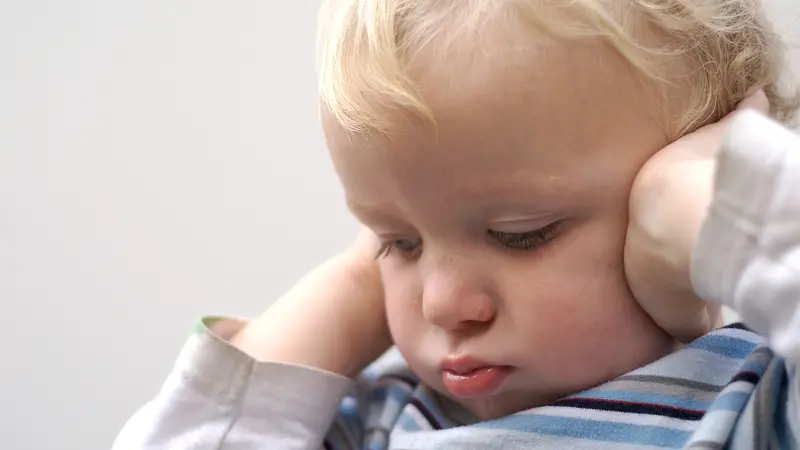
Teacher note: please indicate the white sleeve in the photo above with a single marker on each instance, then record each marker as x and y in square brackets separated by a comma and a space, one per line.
[748, 252]
[217, 397]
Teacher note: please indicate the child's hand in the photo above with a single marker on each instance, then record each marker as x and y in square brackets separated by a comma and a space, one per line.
[668, 203]
[333, 319]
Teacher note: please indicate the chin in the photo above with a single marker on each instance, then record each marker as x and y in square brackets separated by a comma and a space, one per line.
[508, 400]
[504, 404]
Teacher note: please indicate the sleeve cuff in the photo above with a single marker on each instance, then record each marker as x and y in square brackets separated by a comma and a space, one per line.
[266, 391]
[749, 166]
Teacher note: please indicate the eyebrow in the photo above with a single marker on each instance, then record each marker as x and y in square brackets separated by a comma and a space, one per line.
[385, 209]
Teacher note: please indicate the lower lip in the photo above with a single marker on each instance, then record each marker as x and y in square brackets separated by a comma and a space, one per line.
[476, 384]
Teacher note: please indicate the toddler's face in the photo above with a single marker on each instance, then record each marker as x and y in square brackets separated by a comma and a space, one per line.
[504, 275]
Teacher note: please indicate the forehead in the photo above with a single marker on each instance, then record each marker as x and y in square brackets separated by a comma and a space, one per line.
[570, 116]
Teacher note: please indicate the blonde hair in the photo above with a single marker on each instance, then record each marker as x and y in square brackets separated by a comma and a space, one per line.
[727, 47]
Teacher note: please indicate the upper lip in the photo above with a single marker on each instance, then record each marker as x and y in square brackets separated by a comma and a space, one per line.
[463, 364]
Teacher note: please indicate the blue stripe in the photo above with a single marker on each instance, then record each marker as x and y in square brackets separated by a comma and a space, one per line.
[591, 429]
[754, 366]
[745, 335]
[724, 345]
[730, 401]
[782, 426]
[398, 393]
[407, 423]
[349, 410]
[651, 398]
[778, 385]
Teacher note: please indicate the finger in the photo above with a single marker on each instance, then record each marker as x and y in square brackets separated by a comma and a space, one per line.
[757, 101]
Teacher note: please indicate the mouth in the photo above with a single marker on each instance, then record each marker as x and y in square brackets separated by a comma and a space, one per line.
[472, 379]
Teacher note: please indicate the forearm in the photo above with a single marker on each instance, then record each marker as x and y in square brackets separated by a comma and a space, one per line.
[331, 320]
[280, 382]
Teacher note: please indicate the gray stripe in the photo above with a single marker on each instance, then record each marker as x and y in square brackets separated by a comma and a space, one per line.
[661, 388]
[764, 407]
[762, 355]
[671, 381]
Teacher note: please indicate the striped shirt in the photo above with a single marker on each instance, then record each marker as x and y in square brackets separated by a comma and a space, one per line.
[693, 398]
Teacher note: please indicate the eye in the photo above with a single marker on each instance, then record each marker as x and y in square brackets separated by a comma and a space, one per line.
[408, 247]
[529, 240]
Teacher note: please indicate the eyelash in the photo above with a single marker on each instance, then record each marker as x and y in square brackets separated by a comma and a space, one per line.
[530, 240]
[386, 248]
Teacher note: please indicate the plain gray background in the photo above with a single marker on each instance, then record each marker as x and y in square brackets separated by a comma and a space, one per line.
[158, 161]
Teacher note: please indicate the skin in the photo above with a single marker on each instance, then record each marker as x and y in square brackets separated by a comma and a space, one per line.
[669, 202]
[557, 136]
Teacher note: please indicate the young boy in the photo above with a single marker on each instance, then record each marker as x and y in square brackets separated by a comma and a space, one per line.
[533, 255]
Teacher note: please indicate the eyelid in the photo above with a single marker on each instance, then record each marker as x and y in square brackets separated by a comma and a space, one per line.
[548, 228]
[522, 226]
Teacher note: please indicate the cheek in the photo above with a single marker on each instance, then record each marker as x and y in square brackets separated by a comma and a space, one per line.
[580, 300]
[593, 289]
[403, 293]
[586, 301]
[417, 340]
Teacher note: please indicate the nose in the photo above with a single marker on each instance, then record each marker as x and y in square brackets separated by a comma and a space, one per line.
[454, 299]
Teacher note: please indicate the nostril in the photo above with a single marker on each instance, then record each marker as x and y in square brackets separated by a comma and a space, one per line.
[471, 328]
